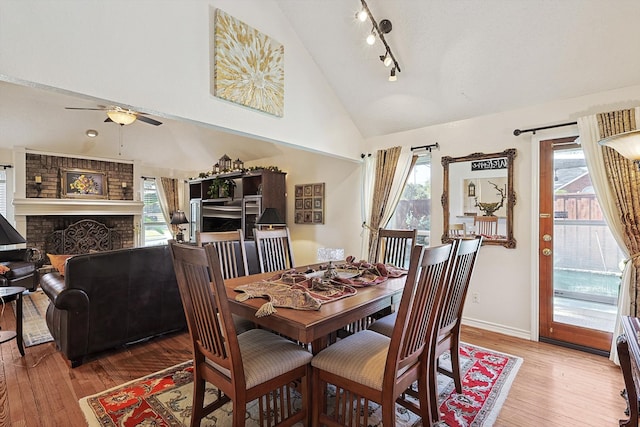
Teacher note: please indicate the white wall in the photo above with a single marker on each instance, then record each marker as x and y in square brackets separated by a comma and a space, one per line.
[155, 55]
[342, 225]
[506, 279]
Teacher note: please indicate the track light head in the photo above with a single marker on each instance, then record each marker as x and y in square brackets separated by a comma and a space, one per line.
[371, 38]
[361, 15]
[392, 76]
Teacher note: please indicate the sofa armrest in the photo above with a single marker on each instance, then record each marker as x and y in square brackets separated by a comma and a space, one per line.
[55, 288]
[22, 254]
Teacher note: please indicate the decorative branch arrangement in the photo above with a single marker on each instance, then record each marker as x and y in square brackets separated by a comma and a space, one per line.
[490, 208]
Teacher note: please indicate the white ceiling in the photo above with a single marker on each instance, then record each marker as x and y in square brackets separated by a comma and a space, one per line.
[459, 59]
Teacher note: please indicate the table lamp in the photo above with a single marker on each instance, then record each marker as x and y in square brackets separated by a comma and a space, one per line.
[178, 218]
[270, 217]
[8, 234]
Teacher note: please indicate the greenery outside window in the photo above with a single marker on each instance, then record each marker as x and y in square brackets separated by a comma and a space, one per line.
[156, 230]
[414, 207]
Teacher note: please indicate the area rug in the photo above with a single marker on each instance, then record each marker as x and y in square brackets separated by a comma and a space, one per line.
[164, 398]
[34, 324]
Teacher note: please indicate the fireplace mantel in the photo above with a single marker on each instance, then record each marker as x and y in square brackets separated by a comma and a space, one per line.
[43, 206]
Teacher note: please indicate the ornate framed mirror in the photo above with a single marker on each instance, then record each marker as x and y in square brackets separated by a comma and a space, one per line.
[478, 197]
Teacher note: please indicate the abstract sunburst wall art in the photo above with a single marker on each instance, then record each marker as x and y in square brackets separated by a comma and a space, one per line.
[248, 66]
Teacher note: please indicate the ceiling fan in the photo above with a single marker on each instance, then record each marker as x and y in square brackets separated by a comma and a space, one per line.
[122, 116]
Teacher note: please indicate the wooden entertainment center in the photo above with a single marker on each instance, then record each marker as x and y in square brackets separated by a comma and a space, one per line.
[250, 193]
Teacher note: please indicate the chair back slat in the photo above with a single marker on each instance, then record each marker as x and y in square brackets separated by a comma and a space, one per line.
[463, 262]
[395, 246]
[274, 249]
[206, 309]
[421, 297]
[231, 249]
[486, 225]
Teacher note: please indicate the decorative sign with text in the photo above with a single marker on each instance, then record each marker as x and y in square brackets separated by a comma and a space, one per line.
[488, 164]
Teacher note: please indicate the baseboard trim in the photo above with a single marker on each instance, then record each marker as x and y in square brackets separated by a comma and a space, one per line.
[494, 327]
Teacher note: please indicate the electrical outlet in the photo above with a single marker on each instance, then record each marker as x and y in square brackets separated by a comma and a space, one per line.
[475, 298]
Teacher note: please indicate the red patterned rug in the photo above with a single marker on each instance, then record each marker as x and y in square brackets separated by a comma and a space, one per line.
[164, 398]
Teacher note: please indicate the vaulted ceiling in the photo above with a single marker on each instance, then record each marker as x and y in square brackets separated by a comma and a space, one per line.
[459, 59]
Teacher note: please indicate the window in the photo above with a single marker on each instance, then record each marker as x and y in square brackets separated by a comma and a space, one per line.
[414, 207]
[156, 231]
[3, 192]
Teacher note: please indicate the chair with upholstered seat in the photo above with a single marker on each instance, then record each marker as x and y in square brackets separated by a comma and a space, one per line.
[450, 318]
[395, 246]
[486, 225]
[231, 249]
[372, 367]
[274, 249]
[256, 364]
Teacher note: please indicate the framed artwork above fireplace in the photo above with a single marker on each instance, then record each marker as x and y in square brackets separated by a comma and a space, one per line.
[80, 183]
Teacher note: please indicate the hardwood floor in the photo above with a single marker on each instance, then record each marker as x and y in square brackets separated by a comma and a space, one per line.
[554, 387]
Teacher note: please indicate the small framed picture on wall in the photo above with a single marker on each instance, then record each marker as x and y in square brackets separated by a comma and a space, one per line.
[309, 203]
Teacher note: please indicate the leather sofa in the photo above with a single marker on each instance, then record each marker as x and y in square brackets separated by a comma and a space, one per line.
[112, 298]
[23, 269]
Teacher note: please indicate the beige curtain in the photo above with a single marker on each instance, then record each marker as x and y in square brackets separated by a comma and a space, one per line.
[615, 180]
[386, 164]
[169, 189]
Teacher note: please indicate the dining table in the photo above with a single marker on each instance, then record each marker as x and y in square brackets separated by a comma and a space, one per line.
[315, 327]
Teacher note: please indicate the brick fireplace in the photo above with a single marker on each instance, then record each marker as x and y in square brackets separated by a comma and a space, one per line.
[37, 217]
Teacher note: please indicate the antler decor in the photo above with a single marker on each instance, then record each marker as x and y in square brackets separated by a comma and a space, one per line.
[490, 208]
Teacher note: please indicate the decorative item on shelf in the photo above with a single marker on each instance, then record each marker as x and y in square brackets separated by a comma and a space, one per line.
[177, 219]
[330, 254]
[490, 208]
[269, 218]
[225, 163]
[38, 184]
[221, 188]
[238, 165]
[216, 170]
[268, 168]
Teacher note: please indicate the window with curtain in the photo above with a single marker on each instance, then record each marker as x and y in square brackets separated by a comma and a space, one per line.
[414, 207]
[156, 230]
[3, 193]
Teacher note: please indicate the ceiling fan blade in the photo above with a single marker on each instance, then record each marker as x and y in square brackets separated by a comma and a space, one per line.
[83, 108]
[149, 120]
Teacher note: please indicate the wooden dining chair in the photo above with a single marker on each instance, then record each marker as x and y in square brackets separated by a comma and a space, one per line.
[394, 246]
[231, 249]
[368, 366]
[486, 225]
[274, 249]
[457, 230]
[256, 364]
[450, 320]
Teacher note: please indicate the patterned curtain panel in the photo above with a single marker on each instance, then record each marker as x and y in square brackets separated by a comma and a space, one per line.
[386, 163]
[170, 187]
[624, 180]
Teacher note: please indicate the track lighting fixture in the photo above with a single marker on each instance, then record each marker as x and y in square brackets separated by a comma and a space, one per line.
[392, 76]
[378, 31]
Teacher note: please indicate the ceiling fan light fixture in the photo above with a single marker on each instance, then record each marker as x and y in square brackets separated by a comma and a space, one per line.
[120, 116]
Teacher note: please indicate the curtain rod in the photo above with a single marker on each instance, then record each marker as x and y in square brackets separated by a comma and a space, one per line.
[517, 132]
[148, 177]
[6, 166]
[427, 147]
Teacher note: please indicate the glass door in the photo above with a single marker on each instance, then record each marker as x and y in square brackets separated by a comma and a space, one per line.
[580, 262]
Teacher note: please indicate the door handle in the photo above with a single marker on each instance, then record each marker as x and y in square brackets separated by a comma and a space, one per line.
[546, 237]
[546, 252]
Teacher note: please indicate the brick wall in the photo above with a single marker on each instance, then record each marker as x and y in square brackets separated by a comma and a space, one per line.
[49, 167]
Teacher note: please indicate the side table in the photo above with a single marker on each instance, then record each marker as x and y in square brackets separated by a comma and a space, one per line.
[8, 294]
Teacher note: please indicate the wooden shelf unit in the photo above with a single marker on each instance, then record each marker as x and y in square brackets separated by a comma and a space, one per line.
[254, 192]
